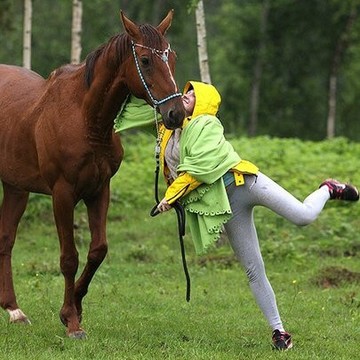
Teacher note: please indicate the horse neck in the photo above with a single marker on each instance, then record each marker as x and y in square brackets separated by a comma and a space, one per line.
[105, 95]
[102, 108]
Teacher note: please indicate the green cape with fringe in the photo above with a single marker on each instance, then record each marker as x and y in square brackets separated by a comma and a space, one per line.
[207, 156]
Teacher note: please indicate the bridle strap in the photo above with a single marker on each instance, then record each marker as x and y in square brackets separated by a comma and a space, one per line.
[164, 56]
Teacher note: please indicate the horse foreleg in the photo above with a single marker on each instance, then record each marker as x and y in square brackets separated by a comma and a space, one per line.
[97, 208]
[12, 208]
[63, 206]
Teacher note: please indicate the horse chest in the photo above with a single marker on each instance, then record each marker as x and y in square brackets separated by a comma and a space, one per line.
[96, 171]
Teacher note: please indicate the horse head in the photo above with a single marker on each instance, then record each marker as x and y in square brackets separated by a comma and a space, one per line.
[151, 69]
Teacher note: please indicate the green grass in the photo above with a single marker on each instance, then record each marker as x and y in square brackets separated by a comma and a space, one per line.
[136, 306]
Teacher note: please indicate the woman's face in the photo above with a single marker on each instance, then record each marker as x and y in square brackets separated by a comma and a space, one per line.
[188, 100]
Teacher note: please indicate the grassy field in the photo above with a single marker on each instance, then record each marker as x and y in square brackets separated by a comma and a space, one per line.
[136, 306]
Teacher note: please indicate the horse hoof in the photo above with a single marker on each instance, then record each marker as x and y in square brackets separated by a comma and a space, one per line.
[80, 335]
[24, 321]
[18, 317]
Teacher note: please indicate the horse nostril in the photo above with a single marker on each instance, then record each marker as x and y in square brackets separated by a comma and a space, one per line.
[171, 115]
[175, 118]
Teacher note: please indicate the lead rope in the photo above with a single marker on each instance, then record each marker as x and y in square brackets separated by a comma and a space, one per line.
[177, 206]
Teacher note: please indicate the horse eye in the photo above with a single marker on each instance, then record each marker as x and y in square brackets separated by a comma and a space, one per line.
[145, 61]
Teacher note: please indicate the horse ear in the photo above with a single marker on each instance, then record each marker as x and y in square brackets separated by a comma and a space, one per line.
[130, 27]
[166, 23]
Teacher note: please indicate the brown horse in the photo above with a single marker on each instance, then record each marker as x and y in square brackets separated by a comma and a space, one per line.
[56, 138]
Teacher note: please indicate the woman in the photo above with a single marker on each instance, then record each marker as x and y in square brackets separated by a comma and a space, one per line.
[218, 188]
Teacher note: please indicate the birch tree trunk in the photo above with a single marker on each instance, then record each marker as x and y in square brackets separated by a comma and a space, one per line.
[76, 30]
[340, 49]
[27, 34]
[330, 123]
[201, 39]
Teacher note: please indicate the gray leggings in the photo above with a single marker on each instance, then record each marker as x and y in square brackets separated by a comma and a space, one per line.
[241, 230]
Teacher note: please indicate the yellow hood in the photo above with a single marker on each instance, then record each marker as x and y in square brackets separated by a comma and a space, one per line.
[207, 97]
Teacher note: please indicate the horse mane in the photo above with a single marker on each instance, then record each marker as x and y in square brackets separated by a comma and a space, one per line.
[64, 69]
[121, 42]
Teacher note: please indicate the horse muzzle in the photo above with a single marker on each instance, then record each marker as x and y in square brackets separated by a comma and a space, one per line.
[173, 117]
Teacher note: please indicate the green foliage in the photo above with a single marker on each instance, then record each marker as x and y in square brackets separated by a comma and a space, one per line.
[136, 307]
[139, 165]
[5, 15]
[299, 44]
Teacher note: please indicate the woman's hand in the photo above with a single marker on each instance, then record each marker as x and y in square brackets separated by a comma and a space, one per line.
[163, 205]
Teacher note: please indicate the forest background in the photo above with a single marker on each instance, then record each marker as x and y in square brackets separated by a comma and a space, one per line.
[279, 64]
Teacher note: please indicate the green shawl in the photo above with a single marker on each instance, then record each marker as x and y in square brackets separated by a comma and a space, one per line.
[206, 155]
[136, 113]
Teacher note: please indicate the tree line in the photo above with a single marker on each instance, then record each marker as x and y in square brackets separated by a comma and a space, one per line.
[285, 68]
